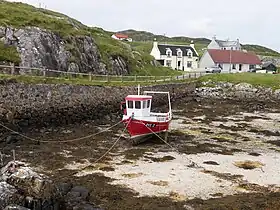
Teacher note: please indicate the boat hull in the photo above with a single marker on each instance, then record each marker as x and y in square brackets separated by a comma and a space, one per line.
[140, 130]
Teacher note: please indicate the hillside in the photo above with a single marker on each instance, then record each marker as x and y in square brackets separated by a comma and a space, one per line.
[200, 43]
[38, 37]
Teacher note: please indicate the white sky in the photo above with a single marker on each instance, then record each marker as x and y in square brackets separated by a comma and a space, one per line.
[252, 21]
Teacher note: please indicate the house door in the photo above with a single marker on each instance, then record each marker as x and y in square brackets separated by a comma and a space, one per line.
[179, 65]
[240, 67]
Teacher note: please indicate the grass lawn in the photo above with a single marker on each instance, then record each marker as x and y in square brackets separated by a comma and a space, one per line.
[266, 80]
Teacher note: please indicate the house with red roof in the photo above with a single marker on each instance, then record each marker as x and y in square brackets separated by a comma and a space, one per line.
[122, 37]
[229, 56]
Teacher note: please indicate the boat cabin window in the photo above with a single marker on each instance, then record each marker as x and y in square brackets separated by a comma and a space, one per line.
[149, 103]
[137, 104]
[130, 104]
[145, 104]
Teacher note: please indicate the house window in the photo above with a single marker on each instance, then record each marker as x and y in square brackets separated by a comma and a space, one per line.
[233, 66]
[168, 53]
[179, 53]
[189, 64]
[252, 66]
[168, 63]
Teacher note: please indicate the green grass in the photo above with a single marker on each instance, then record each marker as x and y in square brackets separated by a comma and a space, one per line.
[20, 15]
[27, 79]
[9, 53]
[265, 80]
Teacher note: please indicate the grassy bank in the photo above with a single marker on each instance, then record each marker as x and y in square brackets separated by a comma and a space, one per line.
[266, 80]
[20, 15]
[26, 79]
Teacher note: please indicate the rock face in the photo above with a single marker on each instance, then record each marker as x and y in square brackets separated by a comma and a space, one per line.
[274, 60]
[41, 48]
[20, 185]
[242, 91]
[22, 189]
[45, 105]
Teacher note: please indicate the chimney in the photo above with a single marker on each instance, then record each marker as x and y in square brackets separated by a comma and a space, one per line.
[155, 42]
[192, 44]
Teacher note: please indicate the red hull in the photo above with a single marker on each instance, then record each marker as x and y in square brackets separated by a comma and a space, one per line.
[139, 128]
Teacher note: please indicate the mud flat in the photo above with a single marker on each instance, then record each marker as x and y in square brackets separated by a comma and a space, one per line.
[224, 155]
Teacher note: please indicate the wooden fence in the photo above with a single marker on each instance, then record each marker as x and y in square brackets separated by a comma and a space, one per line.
[43, 72]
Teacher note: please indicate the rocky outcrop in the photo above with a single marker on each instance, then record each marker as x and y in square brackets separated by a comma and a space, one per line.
[41, 48]
[20, 185]
[273, 59]
[46, 104]
[242, 91]
[21, 188]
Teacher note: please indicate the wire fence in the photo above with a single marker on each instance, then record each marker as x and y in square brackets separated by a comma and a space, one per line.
[44, 72]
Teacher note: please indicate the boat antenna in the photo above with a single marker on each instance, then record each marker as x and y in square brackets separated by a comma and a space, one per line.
[138, 89]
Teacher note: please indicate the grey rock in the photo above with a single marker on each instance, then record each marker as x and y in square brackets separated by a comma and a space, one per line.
[64, 188]
[243, 87]
[82, 191]
[41, 48]
[15, 207]
[48, 104]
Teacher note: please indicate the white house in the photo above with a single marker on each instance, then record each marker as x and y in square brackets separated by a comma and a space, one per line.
[122, 37]
[230, 60]
[224, 44]
[178, 57]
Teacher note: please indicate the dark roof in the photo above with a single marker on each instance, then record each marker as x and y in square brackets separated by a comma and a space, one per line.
[234, 56]
[163, 47]
[267, 64]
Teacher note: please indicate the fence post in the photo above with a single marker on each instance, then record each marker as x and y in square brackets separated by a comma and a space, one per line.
[195, 75]
[90, 76]
[44, 71]
[107, 77]
[170, 78]
[13, 69]
[135, 78]
[121, 78]
[155, 78]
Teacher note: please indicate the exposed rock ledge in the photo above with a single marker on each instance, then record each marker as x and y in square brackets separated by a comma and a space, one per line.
[42, 48]
[21, 188]
[53, 105]
[242, 91]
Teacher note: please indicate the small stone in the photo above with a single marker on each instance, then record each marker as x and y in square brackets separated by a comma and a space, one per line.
[15, 207]
[84, 193]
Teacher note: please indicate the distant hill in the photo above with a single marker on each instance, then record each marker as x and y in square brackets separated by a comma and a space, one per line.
[200, 43]
[36, 37]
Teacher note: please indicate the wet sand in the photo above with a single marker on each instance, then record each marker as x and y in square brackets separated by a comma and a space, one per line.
[217, 136]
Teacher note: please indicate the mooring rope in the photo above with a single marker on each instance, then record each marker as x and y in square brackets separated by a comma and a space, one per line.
[193, 164]
[102, 156]
[60, 141]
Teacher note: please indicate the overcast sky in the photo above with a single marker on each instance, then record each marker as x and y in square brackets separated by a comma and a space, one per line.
[252, 21]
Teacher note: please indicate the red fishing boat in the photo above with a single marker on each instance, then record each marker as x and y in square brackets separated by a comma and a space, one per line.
[140, 122]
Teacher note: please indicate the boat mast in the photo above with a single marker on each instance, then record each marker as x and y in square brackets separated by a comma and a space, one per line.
[138, 89]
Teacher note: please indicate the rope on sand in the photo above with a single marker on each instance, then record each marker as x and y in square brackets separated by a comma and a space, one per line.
[63, 141]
